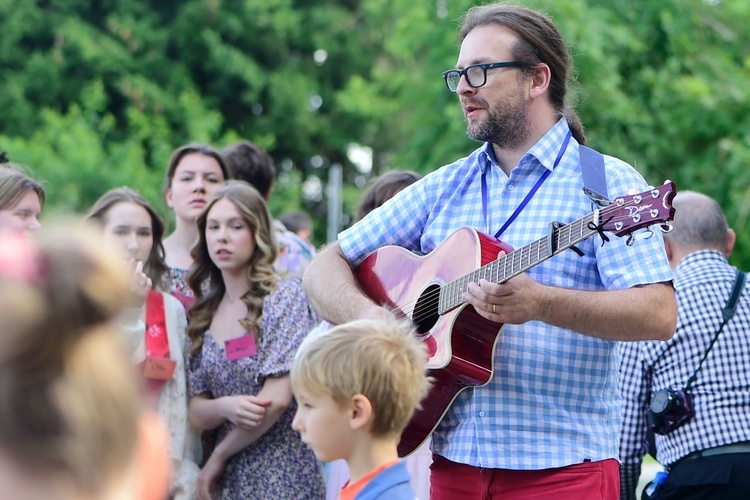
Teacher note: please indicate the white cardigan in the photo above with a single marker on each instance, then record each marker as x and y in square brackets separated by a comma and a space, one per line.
[172, 405]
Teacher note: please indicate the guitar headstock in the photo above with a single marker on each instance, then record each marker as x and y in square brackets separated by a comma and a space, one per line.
[627, 214]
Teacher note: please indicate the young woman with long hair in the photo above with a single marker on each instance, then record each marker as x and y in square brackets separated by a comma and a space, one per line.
[194, 173]
[130, 225]
[244, 332]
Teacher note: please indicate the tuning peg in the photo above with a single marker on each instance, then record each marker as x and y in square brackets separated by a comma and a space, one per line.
[666, 227]
[647, 234]
[631, 239]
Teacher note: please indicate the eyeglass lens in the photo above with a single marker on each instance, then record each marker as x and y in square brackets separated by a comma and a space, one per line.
[475, 76]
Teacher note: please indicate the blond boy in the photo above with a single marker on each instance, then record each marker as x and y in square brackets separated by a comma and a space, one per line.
[357, 386]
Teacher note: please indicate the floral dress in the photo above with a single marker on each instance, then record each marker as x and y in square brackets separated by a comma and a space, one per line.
[177, 285]
[278, 465]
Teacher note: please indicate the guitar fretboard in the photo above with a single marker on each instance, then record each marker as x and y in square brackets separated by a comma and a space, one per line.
[521, 260]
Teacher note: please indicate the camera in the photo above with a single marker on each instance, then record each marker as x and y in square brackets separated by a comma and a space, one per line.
[669, 410]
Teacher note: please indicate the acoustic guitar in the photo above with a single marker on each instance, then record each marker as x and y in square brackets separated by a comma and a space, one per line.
[428, 291]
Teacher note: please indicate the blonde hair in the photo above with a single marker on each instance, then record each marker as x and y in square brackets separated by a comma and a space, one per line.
[69, 400]
[382, 360]
[252, 207]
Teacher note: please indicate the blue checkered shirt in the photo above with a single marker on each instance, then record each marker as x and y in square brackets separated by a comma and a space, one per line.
[703, 281]
[553, 400]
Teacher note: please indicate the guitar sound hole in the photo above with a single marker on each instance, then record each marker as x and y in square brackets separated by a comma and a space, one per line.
[426, 310]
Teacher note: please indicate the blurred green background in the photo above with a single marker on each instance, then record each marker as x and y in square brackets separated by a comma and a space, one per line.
[97, 94]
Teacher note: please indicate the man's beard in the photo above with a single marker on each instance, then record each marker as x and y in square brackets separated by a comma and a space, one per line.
[506, 125]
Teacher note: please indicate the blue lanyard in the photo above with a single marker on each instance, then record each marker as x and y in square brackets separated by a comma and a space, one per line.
[528, 196]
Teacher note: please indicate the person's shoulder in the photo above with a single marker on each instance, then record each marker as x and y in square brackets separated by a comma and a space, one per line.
[622, 177]
[288, 288]
[615, 163]
[699, 268]
[456, 171]
[469, 161]
[392, 482]
[170, 301]
[291, 240]
[289, 284]
[295, 254]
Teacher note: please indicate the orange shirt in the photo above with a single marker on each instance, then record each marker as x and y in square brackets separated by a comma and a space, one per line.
[349, 491]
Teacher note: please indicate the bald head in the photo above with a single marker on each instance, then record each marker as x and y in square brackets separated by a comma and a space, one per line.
[699, 224]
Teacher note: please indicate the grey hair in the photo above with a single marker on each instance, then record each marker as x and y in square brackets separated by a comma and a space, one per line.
[698, 223]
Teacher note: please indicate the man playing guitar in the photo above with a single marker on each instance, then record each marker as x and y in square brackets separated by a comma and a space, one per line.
[548, 420]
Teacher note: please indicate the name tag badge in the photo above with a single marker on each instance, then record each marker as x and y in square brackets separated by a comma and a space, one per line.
[241, 347]
[159, 368]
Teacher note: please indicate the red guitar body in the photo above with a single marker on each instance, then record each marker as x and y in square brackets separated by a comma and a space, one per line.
[428, 291]
[460, 343]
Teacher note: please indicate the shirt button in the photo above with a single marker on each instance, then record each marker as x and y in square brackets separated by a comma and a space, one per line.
[482, 414]
[510, 186]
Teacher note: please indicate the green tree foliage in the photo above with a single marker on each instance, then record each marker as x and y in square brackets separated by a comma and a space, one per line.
[97, 94]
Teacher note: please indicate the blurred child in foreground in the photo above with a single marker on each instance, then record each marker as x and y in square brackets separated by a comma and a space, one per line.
[72, 425]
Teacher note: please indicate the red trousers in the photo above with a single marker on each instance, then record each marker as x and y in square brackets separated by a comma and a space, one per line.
[586, 481]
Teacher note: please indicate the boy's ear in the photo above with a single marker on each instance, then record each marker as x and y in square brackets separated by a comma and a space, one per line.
[361, 412]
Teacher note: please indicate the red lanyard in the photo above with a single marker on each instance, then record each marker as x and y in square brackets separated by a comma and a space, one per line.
[157, 343]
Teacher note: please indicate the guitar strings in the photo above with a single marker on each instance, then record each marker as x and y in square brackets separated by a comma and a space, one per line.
[431, 300]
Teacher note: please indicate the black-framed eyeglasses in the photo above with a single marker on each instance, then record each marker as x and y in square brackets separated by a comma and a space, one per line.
[476, 74]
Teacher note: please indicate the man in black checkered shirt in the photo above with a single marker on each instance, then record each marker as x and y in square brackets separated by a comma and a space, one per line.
[709, 456]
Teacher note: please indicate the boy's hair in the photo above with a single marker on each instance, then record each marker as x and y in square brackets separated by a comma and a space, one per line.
[382, 360]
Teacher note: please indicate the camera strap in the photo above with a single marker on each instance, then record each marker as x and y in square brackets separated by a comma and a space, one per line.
[727, 314]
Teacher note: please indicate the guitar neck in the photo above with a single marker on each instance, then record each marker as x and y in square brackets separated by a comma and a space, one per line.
[561, 238]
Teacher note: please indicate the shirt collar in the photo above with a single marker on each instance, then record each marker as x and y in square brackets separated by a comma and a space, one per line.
[545, 150]
[487, 158]
[696, 258]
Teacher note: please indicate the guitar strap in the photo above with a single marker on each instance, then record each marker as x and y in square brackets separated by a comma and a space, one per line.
[594, 177]
[594, 180]
[594, 183]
